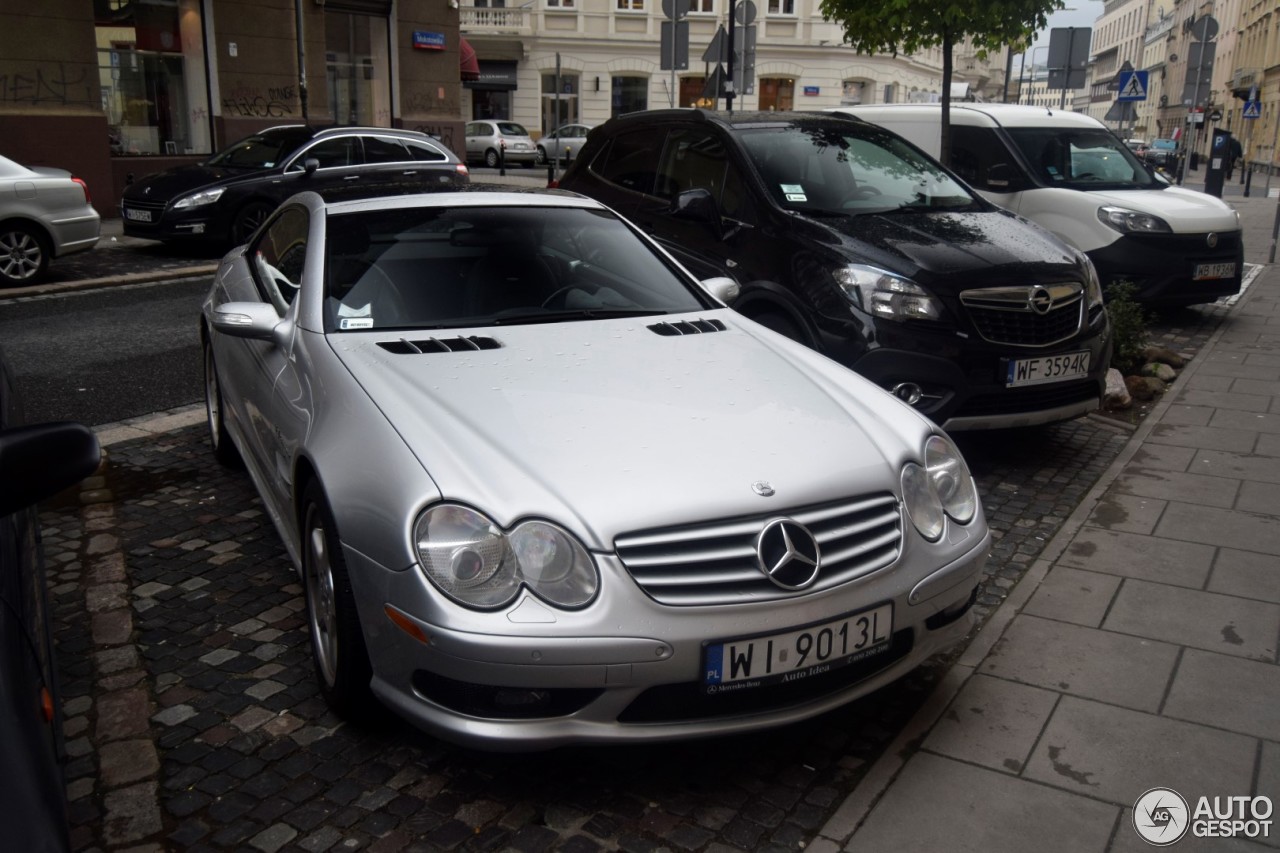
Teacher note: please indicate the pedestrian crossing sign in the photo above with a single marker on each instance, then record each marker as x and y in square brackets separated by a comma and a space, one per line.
[1252, 109]
[1133, 86]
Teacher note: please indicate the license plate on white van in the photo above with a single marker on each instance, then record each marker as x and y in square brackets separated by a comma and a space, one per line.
[1049, 368]
[1207, 272]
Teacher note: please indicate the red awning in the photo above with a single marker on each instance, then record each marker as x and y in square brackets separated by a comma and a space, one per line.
[467, 59]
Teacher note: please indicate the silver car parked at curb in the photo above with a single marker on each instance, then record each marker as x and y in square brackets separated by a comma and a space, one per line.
[542, 487]
[44, 213]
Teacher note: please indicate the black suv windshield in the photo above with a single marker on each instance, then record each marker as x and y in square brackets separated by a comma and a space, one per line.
[849, 170]
[264, 150]
[1082, 159]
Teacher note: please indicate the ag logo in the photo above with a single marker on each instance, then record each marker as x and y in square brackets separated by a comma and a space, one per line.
[1161, 816]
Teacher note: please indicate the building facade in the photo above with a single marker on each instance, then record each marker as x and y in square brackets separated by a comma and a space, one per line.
[114, 88]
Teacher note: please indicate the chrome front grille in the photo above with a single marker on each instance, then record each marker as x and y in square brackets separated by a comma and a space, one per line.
[716, 562]
[1036, 316]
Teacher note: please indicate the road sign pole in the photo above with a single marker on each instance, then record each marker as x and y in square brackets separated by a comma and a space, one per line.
[729, 87]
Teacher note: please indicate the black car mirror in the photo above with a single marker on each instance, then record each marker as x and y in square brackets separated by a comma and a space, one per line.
[697, 205]
[37, 462]
[310, 165]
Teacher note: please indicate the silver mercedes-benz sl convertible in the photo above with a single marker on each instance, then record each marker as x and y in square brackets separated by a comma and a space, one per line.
[543, 487]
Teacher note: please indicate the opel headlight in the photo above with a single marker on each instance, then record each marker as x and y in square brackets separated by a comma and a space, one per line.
[939, 489]
[1092, 286]
[199, 199]
[1132, 221]
[474, 562]
[883, 294]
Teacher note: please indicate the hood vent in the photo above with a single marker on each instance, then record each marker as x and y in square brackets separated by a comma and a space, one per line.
[469, 344]
[695, 327]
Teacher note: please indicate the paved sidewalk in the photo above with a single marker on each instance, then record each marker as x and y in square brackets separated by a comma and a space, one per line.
[1139, 652]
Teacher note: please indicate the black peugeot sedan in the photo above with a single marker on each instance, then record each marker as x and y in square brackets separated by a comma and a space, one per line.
[846, 237]
[225, 198]
[36, 462]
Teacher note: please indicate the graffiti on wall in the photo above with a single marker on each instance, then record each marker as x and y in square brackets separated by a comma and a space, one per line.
[443, 132]
[49, 83]
[246, 101]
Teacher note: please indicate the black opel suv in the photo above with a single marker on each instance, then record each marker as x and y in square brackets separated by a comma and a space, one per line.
[847, 238]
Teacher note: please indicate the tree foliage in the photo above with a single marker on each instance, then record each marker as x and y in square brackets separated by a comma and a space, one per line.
[911, 26]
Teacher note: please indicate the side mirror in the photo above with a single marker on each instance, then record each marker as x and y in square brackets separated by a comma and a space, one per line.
[254, 320]
[697, 205]
[310, 165]
[37, 462]
[1001, 178]
[723, 288]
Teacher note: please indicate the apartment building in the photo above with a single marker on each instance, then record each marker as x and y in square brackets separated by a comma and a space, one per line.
[609, 60]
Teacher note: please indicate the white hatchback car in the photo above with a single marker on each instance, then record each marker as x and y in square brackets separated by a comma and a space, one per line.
[488, 137]
[44, 213]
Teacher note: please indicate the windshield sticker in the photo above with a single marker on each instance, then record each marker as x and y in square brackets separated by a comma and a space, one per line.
[348, 323]
[1053, 172]
[793, 192]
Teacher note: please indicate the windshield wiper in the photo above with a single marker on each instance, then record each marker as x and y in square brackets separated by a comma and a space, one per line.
[576, 314]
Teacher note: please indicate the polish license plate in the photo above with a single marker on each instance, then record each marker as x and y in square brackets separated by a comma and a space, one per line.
[137, 215]
[1049, 368]
[795, 655]
[1207, 272]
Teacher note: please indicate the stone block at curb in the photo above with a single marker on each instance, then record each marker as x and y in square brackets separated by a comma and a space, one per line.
[108, 569]
[123, 714]
[111, 628]
[127, 761]
[131, 814]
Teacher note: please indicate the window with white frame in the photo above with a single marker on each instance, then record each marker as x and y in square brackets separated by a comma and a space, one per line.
[782, 7]
[630, 5]
[560, 4]
[702, 7]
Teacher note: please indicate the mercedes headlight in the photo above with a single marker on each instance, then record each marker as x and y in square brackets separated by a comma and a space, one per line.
[477, 564]
[1132, 221]
[199, 199]
[882, 294]
[939, 489]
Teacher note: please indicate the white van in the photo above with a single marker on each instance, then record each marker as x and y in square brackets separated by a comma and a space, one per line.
[1068, 173]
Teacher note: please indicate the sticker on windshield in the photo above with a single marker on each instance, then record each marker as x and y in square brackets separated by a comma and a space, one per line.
[348, 323]
[793, 192]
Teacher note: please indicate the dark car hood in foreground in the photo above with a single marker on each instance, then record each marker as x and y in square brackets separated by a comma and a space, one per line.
[181, 180]
[936, 248]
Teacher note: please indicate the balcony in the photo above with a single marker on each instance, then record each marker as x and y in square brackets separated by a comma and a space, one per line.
[477, 19]
[1244, 78]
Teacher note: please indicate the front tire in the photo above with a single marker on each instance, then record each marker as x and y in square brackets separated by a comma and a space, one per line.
[337, 641]
[491, 158]
[24, 255]
[224, 449]
[542, 156]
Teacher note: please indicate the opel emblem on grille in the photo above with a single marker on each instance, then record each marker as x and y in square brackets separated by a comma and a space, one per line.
[1211, 240]
[788, 554]
[1040, 300]
[763, 488]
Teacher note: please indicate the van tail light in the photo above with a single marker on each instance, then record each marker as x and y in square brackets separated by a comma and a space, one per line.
[85, 187]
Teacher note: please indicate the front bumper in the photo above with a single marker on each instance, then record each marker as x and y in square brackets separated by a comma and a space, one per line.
[963, 379]
[197, 223]
[636, 675]
[1162, 266]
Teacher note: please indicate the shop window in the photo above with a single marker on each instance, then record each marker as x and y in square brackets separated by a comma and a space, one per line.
[358, 68]
[630, 94]
[152, 72]
[777, 93]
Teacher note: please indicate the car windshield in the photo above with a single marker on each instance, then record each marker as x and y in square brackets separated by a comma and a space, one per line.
[1081, 159]
[434, 268]
[849, 170]
[510, 128]
[264, 150]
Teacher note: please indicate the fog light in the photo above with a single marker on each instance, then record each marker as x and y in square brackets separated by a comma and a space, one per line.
[907, 392]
